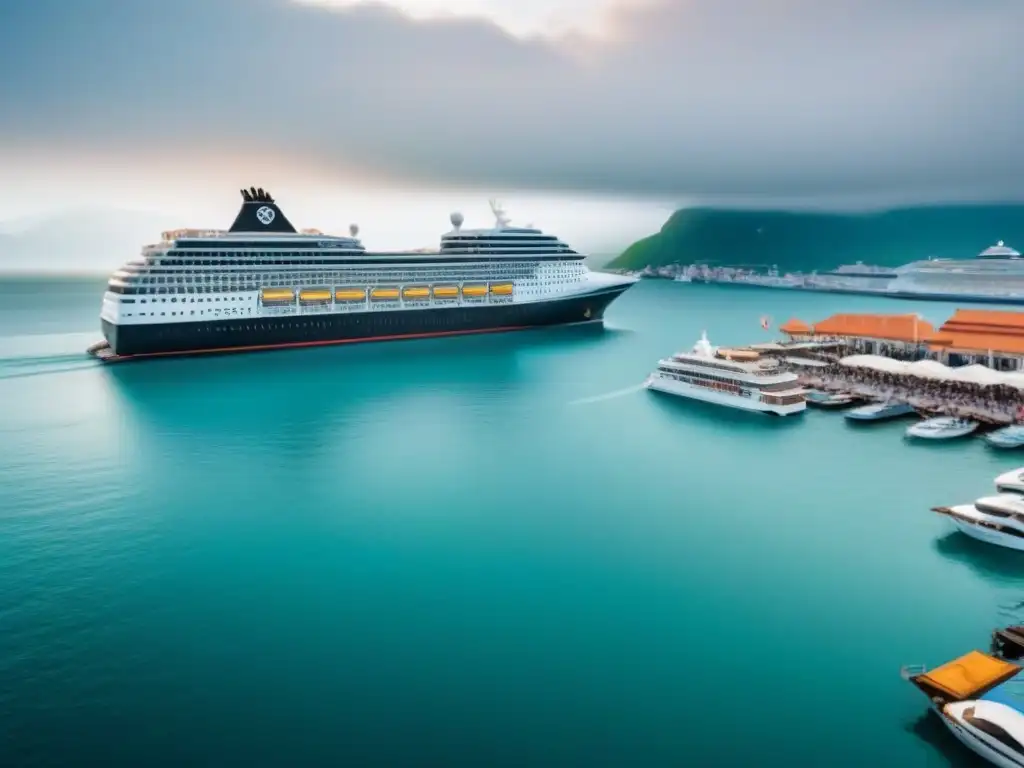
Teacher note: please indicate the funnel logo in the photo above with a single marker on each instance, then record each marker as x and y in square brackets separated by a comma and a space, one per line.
[265, 215]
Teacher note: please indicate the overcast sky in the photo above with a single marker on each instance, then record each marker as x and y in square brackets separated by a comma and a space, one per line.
[669, 100]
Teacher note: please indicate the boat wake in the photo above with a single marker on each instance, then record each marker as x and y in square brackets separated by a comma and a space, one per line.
[44, 354]
[608, 395]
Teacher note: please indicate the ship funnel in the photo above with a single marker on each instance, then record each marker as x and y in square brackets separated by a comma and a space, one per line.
[259, 213]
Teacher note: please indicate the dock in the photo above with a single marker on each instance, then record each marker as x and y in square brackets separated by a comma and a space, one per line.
[913, 393]
[1008, 643]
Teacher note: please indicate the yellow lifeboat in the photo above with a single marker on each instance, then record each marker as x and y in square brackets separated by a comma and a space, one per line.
[474, 291]
[384, 294]
[415, 292]
[501, 289]
[446, 291]
[277, 294]
[350, 294]
[315, 297]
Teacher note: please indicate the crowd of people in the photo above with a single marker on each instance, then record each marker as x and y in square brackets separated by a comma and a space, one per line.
[999, 403]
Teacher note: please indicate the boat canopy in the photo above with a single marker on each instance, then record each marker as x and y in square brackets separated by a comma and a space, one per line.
[969, 675]
[932, 369]
[875, 363]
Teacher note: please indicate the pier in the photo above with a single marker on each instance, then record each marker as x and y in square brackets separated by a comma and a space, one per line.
[972, 366]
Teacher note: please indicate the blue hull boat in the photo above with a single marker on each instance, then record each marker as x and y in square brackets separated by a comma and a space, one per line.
[880, 411]
[1007, 437]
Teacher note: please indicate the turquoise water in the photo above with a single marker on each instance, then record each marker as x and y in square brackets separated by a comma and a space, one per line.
[480, 551]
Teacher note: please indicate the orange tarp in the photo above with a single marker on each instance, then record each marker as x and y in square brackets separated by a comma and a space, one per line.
[982, 330]
[971, 674]
[794, 326]
[886, 327]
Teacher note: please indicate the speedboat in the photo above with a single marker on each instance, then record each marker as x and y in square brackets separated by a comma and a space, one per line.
[1006, 437]
[1012, 481]
[821, 399]
[879, 411]
[942, 428]
[993, 519]
[978, 698]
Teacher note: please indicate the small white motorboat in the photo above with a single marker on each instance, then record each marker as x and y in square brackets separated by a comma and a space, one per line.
[820, 399]
[993, 519]
[1006, 437]
[1012, 481]
[976, 698]
[879, 411]
[942, 428]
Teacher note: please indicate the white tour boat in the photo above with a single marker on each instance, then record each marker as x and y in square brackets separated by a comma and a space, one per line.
[942, 428]
[977, 698]
[738, 378]
[994, 519]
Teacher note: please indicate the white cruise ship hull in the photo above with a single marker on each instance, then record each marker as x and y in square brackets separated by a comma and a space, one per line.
[707, 395]
[329, 325]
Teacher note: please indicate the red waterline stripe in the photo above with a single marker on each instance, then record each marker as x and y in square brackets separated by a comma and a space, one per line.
[297, 344]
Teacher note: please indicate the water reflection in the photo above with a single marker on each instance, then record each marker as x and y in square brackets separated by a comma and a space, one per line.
[944, 745]
[987, 560]
[681, 409]
[307, 396]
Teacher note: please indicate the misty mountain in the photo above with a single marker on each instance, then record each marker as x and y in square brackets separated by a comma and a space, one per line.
[813, 240]
[80, 242]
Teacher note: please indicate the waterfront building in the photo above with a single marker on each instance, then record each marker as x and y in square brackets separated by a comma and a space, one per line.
[991, 338]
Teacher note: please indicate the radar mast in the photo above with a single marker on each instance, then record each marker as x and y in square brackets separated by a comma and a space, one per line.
[501, 220]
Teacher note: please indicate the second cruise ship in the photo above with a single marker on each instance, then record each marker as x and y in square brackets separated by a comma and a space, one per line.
[262, 284]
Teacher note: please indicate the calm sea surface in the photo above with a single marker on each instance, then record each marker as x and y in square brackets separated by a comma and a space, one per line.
[486, 551]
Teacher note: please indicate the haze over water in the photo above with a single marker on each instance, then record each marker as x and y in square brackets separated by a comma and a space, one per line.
[494, 550]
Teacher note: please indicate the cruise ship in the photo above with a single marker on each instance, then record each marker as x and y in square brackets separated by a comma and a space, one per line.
[995, 274]
[261, 284]
[737, 378]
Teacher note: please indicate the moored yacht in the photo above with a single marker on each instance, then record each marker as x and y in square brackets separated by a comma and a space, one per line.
[1006, 437]
[262, 284]
[737, 378]
[994, 519]
[1011, 482]
[880, 411]
[976, 696]
[831, 400]
[942, 428]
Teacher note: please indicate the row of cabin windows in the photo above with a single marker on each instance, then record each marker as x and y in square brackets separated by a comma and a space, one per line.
[486, 271]
[453, 319]
[223, 259]
[499, 270]
[489, 236]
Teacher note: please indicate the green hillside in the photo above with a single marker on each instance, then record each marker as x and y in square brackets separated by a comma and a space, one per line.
[809, 241]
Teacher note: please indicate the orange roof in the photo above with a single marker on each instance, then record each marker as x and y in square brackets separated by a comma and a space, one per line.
[887, 327]
[992, 321]
[978, 342]
[793, 325]
[982, 330]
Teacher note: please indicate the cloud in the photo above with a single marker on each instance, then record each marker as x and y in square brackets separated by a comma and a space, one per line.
[919, 98]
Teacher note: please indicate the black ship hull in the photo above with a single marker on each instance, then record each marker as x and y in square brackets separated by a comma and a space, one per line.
[250, 334]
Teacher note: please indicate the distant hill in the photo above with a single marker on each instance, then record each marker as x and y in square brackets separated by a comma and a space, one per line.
[80, 242]
[809, 241]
